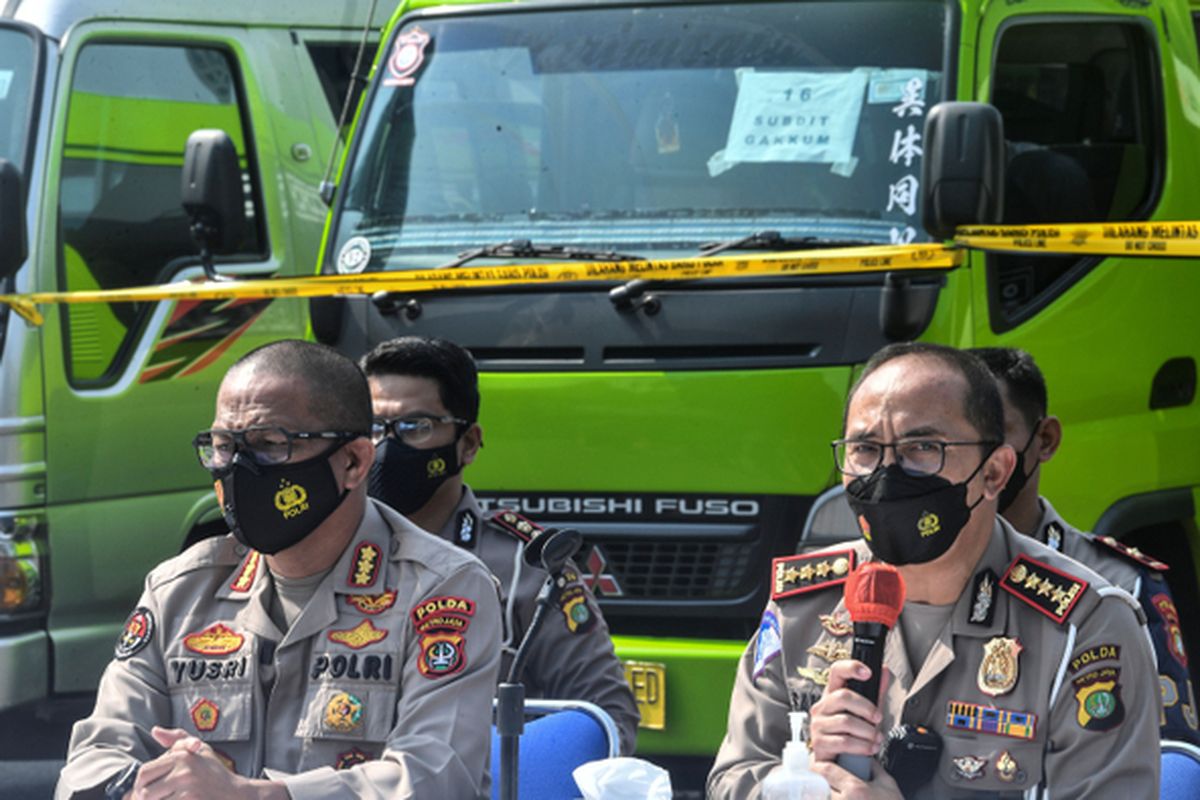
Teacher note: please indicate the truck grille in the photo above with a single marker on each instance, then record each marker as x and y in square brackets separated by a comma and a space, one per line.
[675, 570]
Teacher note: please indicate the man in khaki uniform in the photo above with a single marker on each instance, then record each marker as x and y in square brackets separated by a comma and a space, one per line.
[1036, 435]
[1033, 671]
[327, 648]
[425, 393]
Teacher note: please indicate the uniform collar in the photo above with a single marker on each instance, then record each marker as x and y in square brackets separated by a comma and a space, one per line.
[1051, 528]
[988, 571]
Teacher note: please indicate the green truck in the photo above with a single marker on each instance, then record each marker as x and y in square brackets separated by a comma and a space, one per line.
[684, 428]
[97, 406]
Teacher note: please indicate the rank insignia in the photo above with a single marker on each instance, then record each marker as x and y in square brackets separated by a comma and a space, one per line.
[1133, 554]
[373, 603]
[830, 651]
[137, 633]
[984, 606]
[1166, 609]
[344, 713]
[365, 568]
[246, 572]
[1101, 652]
[1098, 694]
[464, 535]
[515, 524]
[205, 715]
[968, 767]
[215, 640]
[359, 636]
[1054, 536]
[999, 669]
[837, 625]
[1043, 587]
[352, 758]
[989, 719]
[794, 575]
[818, 676]
[1007, 768]
[767, 644]
[573, 604]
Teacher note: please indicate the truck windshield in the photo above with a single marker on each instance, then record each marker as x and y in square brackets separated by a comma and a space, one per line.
[648, 129]
[18, 57]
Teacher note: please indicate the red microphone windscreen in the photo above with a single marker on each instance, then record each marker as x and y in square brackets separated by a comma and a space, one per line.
[875, 593]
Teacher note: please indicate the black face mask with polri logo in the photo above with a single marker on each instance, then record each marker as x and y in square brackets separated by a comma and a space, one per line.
[271, 508]
[405, 477]
[1018, 479]
[909, 519]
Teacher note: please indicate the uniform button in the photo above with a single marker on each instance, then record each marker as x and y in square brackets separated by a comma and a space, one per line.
[240, 550]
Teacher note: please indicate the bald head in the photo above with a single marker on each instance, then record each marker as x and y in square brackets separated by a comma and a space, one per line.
[956, 371]
[333, 388]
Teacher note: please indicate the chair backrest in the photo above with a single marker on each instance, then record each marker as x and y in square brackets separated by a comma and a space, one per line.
[565, 734]
[830, 521]
[1180, 770]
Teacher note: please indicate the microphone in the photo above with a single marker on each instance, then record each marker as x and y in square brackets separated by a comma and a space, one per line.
[552, 549]
[874, 597]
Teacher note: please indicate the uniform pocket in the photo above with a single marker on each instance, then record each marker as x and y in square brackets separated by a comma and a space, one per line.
[989, 763]
[215, 714]
[348, 712]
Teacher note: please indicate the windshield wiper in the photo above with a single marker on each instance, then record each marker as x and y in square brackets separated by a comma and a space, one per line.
[524, 248]
[629, 295]
[774, 240]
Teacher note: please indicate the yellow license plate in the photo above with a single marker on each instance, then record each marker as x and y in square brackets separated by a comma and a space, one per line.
[649, 683]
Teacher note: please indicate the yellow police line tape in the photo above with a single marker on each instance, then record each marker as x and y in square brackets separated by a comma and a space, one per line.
[1154, 239]
[840, 261]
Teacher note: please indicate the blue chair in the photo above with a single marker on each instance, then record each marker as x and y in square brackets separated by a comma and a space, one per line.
[1180, 770]
[564, 735]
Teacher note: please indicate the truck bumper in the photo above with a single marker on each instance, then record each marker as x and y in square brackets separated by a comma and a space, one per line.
[24, 668]
[684, 683]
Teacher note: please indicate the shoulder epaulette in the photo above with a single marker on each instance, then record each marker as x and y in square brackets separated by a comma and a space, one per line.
[512, 522]
[1049, 590]
[792, 575]
[1131, 553]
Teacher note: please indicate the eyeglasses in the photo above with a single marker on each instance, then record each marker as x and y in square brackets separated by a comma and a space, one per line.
[411, 430]
[915, 456]
[265, 445]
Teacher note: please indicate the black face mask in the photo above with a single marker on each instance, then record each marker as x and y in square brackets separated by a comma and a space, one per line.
[406, 477]
[1018, 479]
[909, 519]
[271, 508]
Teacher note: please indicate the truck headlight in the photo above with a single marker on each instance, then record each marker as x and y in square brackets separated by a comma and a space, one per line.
[21, 585]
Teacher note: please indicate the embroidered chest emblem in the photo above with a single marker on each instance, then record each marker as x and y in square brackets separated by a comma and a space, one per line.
[216, 640]
[359, 636]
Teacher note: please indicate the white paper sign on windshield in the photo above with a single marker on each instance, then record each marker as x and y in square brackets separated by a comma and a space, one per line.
[6, 79]
[809, 117]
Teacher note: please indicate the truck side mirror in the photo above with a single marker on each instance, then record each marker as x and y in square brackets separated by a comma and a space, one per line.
[962, 176]
[13, 244]
[212, 194]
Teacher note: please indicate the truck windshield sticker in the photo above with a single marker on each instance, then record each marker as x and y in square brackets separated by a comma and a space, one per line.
[807, 117]
[408, 54]
[6, 79]
[904, 89]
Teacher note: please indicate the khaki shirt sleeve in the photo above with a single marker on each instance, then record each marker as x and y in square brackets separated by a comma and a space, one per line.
[441, 742]
[131, 699]
[1103, 736]
[757, 729]
[580, 664]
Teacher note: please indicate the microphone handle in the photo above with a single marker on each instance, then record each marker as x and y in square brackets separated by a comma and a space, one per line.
[868, 648]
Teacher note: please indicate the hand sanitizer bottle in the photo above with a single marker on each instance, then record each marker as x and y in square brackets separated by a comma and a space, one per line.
[794, 780]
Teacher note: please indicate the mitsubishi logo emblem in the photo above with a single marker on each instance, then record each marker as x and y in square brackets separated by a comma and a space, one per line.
[599, 581]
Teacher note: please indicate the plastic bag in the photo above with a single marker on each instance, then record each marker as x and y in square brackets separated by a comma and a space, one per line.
[622, 779]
